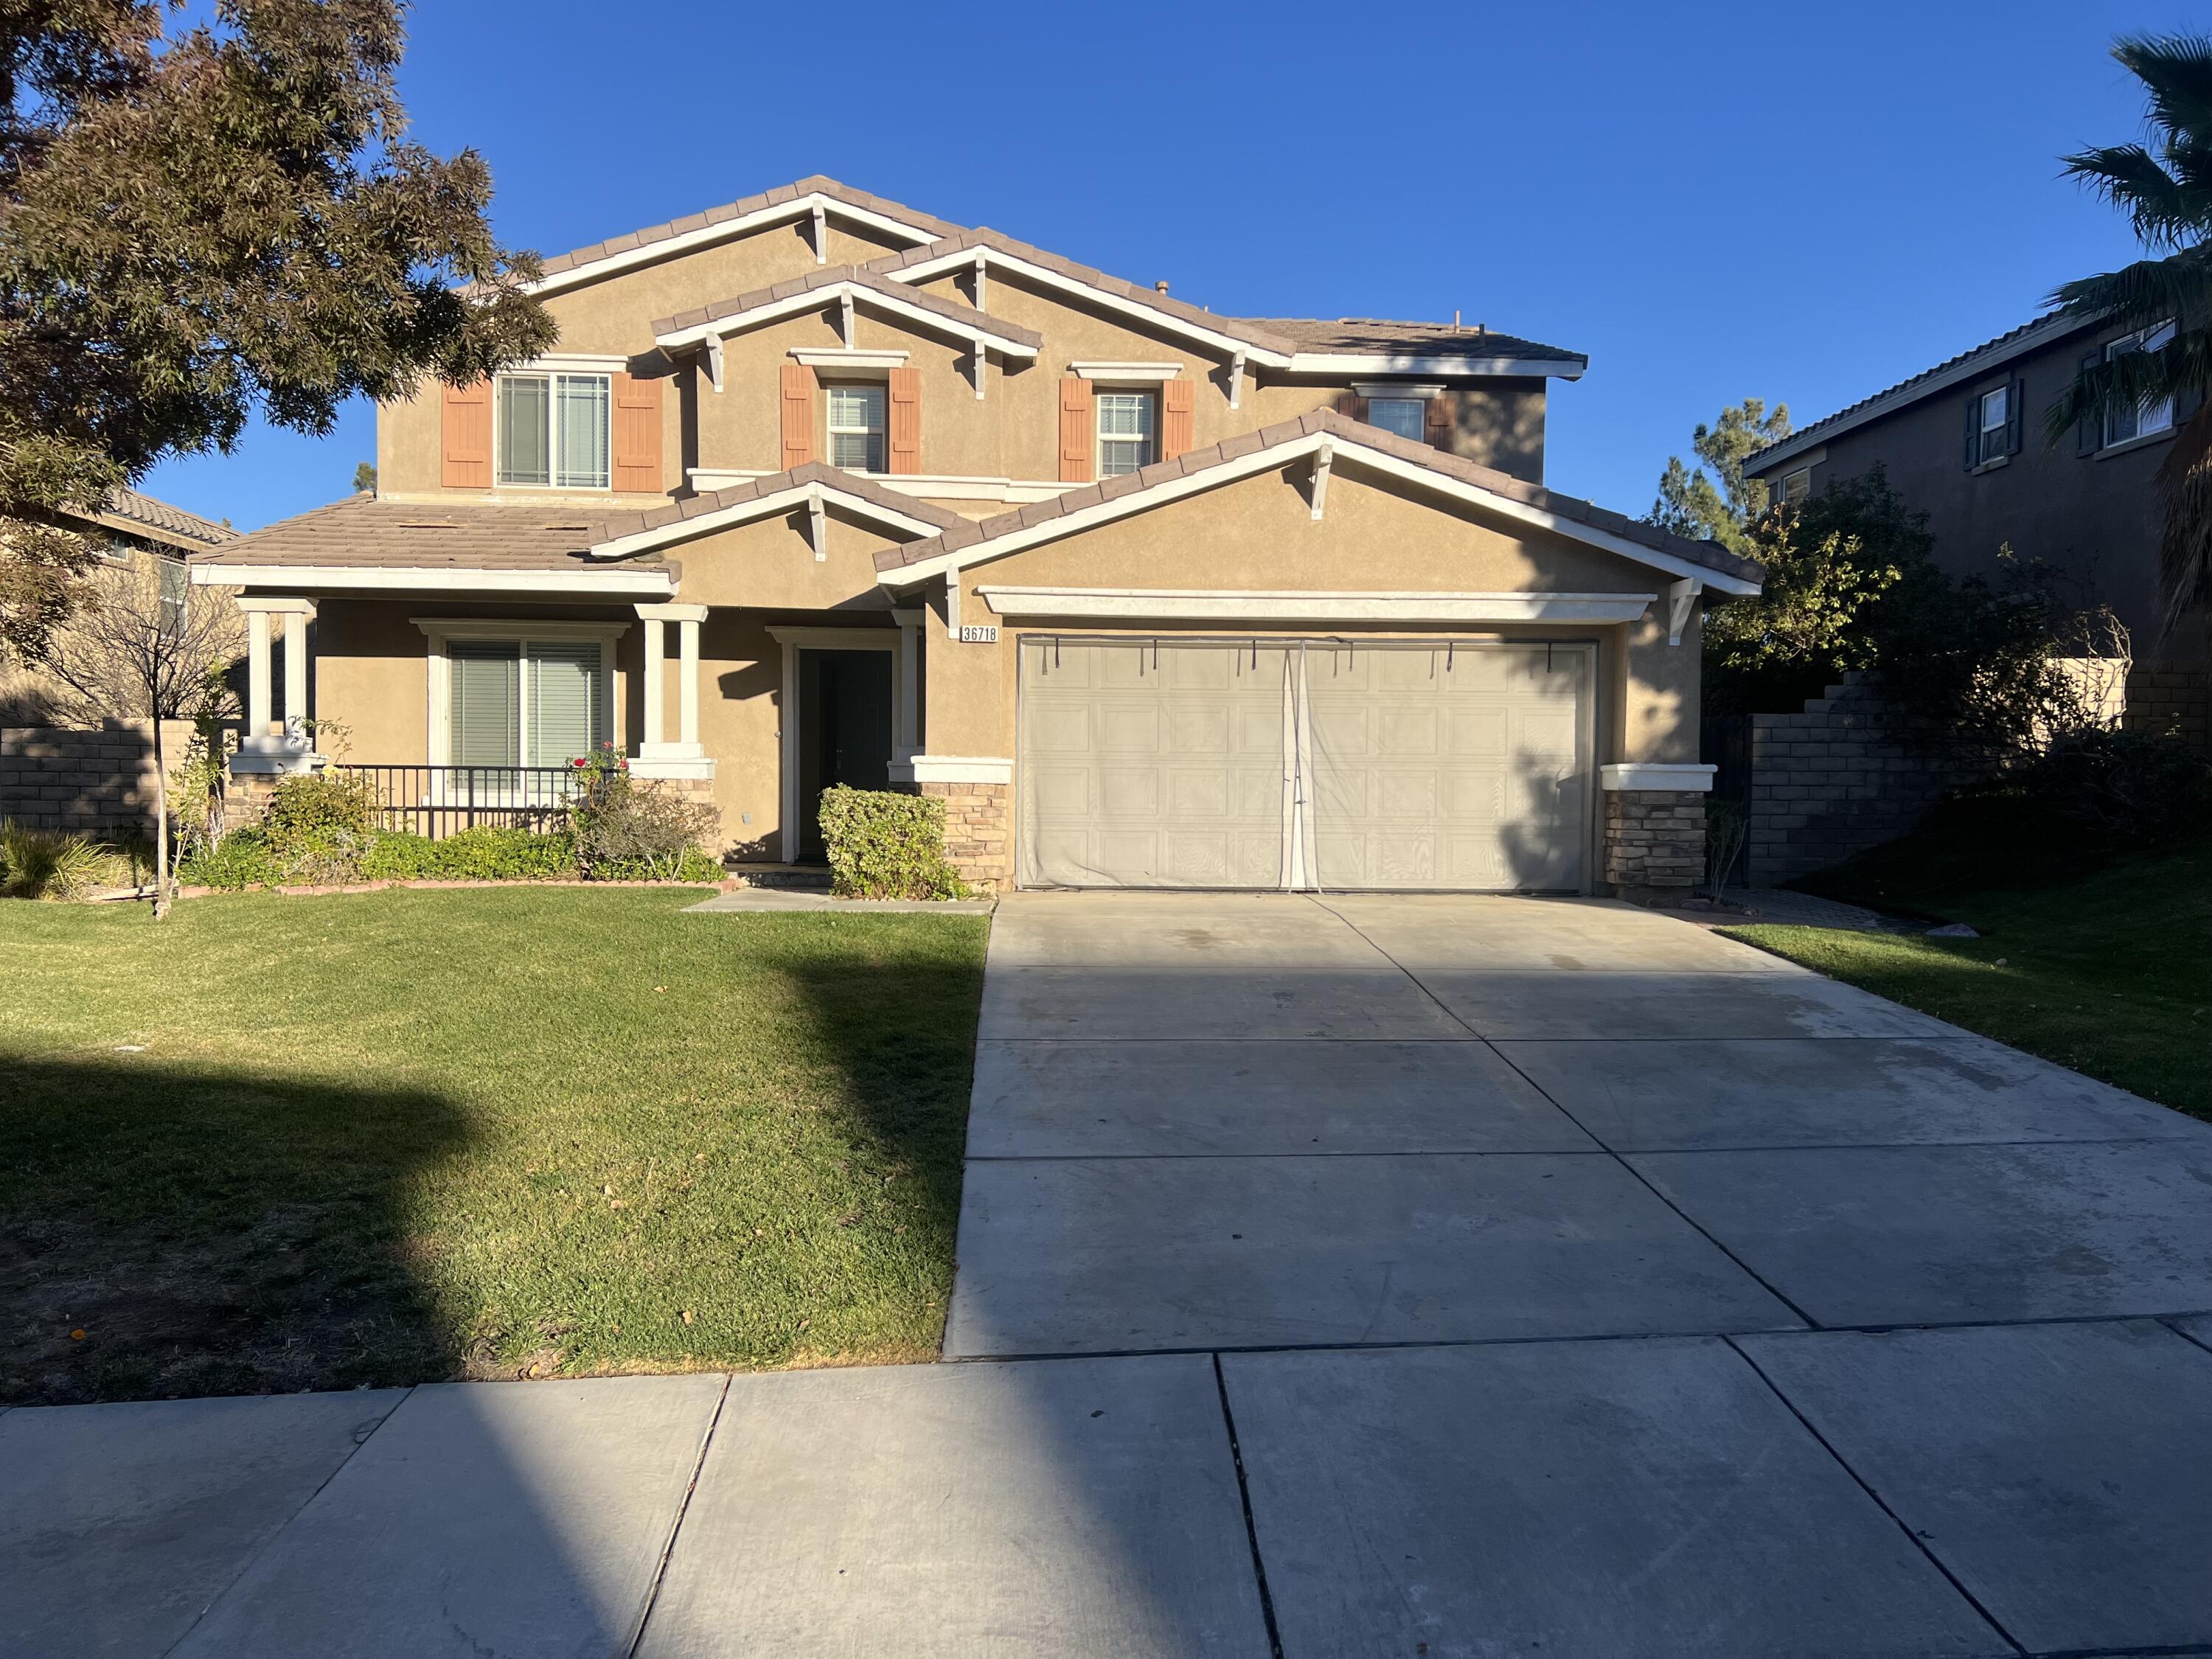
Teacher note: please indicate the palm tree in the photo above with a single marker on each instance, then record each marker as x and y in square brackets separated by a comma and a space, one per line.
[2164, 187]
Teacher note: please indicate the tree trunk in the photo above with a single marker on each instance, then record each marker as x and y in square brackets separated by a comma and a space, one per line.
[161, 822]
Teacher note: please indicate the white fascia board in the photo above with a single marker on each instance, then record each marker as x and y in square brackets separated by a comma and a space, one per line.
[932, 486]
[799, 207]
[1181, 605]
[829, 293]
[847, 357]
[442, 577]
[1227, 344]
[1266, 460]
[1347, 362]
[761, 506]
[1125, 371]
[1969, 368]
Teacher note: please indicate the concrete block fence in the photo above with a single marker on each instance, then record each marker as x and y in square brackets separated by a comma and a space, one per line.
[95, 780]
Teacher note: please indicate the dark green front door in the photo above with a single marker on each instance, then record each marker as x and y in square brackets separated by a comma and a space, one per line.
[844, 731]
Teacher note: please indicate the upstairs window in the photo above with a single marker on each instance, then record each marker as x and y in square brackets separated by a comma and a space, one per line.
[1128, 425]
[1797, 487]
[1993, 425]
[553, 430]
[1406, 417]
[2153, 415]
[857, 427]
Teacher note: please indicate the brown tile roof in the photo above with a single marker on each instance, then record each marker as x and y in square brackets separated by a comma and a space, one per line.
[969, 534]
[1237, 328]
[615, 524]
[157, 520]
[364, 532]
[1380, 336]
[862, 277]
[737, 210]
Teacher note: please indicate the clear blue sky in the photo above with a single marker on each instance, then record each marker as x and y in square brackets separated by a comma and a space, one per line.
[1712, 201]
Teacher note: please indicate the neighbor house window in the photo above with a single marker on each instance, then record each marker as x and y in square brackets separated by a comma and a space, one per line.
[526, 702]
[1797, 487]
[1994, 422]
[1127, 422]
[1405, 416]
[2153, 415]
[856, 427]
[553, 430]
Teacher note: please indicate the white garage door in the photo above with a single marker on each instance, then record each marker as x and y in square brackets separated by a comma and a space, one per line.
[1458, 766]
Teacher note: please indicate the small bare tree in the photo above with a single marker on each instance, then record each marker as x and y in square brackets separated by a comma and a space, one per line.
[146, 642]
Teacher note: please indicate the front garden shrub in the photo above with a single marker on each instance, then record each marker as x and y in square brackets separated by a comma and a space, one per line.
[625, 828]
[48, 864]
[319, 824]
[883, 845]
[2092, 789]
[239, 859]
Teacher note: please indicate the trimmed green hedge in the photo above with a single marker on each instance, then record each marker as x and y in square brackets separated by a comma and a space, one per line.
[486, 852]
[883, 845]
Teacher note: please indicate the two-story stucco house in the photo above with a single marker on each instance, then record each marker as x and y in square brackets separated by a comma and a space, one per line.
[821, 488]
[1963, 442]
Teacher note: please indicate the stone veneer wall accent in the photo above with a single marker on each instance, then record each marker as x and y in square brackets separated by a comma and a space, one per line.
[2170, 703]
[1655, 838]
[88, 779]
[978, 838]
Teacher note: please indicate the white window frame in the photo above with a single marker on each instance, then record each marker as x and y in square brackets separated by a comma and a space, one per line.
[1100, 439]
[1421, 409]
[1983, 454]
[1797, 486]
[831, 430]
[2154, 416]
[553, 373]
[441, 630]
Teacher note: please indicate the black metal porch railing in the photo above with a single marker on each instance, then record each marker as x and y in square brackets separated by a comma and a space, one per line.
[439, 800]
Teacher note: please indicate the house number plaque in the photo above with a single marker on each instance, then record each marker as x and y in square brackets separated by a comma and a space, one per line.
[979, 633]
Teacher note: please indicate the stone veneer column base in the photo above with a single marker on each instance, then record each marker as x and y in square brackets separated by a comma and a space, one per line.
[1655, 838]
[977, 840]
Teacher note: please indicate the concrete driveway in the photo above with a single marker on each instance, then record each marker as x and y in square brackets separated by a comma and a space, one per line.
[1581, 1282]
[1379, 1277]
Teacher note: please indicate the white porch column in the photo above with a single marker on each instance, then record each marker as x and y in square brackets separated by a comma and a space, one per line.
[257, 673]
[909, 740]
[268, 746]
[658, 757]
[655, 672]
[687, 682]
[296, 671]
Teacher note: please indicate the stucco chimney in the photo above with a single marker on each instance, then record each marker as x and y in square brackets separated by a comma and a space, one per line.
[1160, 287]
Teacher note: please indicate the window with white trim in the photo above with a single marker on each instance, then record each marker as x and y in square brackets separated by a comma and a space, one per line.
[553, 428]
[1128, 425]
[2153, 415]
[1797, 487]
[525, 702]
[1408, 417]
[858, 422]
[1994, 422]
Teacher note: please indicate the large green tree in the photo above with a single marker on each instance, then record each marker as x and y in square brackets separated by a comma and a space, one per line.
[2164, 187]
[1722, 507]
[199, 225]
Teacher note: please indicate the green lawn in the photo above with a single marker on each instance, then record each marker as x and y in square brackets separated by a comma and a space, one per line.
[2109, 973]
[286, 1143]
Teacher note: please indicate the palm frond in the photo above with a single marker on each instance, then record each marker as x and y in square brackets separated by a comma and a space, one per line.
[2165, 212]
[2183, 365]
[2185, 552]
[2147, 292]
[2177, 70]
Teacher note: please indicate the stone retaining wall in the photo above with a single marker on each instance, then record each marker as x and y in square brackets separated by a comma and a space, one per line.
[2170, 703]
[94, 781]
[978, 839]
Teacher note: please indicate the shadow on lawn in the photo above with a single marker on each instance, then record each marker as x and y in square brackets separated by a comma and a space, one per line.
[210, 1232]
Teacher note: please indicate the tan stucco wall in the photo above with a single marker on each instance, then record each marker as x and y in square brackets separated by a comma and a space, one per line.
[769, 564]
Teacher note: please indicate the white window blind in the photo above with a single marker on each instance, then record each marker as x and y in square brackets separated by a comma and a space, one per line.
[553, 429]
[1126, 423]
[487, 703]
[566, 719]
[857, 428]
[1996, 423]
[1405, 416]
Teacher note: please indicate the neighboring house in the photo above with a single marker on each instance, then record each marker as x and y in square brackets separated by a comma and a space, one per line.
[1963, 442]
[819, 488]
[131, 527]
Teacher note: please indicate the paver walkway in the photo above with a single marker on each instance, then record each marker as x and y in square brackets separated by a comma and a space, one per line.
[1359, 1276]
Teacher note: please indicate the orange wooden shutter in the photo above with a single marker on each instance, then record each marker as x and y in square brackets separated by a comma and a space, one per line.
[1077, 433]
[465, 443]
[636, 434]
[1352, 403]
[1178, 418]
[797, 381]
[906, 420]
[1438, 420]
